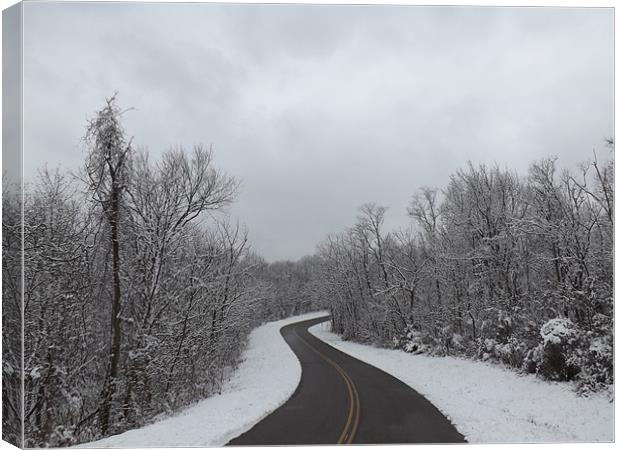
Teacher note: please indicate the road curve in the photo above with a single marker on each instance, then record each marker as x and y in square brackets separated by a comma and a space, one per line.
[342, 400]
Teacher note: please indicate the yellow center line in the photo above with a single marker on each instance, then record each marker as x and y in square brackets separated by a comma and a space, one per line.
[357, 410]
[350, 428]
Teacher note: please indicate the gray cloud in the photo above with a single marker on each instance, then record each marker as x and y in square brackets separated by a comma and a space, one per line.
[321, 108]
[11, 98]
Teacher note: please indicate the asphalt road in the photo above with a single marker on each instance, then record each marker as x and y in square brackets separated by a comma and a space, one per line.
[341, 400]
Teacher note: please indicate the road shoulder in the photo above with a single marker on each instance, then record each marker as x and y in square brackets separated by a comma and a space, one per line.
[487, 403]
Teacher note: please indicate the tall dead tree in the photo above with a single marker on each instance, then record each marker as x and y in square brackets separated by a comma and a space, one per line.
[107, 163]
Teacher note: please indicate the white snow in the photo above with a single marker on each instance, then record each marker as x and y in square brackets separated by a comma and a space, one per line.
[557, 331]
[267, 376]
[488, 403]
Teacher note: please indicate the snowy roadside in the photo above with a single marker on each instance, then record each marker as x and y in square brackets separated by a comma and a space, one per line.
[487, 403]
[267, 376]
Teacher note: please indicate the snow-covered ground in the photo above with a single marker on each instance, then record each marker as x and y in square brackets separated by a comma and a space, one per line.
[487, 403]
[265, 379]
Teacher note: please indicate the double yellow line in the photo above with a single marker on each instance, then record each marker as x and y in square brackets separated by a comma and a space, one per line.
[353, 417]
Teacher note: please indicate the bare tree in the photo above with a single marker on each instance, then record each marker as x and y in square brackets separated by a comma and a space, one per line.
[107, 167]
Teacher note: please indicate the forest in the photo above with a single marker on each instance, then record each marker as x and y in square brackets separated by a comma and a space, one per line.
[496, 266]
[139, 289]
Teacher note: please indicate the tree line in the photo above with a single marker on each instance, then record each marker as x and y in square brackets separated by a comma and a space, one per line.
[138, 289]
[496, 266]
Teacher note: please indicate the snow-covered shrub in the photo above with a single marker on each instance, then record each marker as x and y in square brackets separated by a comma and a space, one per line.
[506, 337]
[595, 358]
[561, 340]
[486, 348]
[497, 324]
[558, 331]
[511, 353]
[533, 359]
[597, 364]
[415, 341]
[505, 326]
[445, 342]
[458, 342]
[567, 352]
[445, 336]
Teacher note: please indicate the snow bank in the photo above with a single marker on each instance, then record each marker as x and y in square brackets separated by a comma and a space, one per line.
[487, 403]
[267, 376]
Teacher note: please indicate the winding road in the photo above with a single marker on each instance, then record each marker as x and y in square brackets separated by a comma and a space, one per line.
[342, 400]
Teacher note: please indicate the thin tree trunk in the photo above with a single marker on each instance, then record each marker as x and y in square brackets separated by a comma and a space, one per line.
[115, 320]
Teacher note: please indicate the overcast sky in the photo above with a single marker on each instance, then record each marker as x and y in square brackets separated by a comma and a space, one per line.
[318, 109]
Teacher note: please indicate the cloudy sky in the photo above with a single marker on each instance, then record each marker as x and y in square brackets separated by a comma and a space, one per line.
[318, 109]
